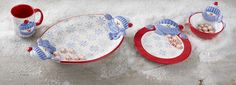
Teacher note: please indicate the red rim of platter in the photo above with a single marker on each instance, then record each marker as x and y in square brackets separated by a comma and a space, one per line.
[139, 47]
[203, 34]
[84, 61]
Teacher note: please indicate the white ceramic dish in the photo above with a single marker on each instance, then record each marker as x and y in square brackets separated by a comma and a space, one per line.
[86, 34]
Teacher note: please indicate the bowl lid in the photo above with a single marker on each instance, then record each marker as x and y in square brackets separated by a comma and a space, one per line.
[212, 13]
[167, 27]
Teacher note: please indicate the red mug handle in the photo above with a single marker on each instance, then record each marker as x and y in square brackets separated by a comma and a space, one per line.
[41, 18]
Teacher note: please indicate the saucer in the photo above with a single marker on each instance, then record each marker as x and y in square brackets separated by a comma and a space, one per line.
[158, 49]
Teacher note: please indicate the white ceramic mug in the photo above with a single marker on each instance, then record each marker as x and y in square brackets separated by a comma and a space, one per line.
[24, 19]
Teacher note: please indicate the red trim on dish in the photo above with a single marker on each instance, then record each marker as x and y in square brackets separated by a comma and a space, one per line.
[138, 44]
[203, 34]
[84, 61]
[41, 16]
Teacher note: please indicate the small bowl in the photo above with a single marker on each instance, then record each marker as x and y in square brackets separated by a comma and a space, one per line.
[197, 18]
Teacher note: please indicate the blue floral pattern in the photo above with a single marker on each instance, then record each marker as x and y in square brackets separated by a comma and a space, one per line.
[94, 48]
[70, 45]
[71, 29]
[98, 31]
[159, 46]
[87, 35]
[162, 52]
[83, 43]
[91, 17]
[89, 25]
[101, 20]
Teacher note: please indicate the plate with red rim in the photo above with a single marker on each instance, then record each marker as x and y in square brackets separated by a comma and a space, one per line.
[158, 49]
[86, 34]
[196, 18]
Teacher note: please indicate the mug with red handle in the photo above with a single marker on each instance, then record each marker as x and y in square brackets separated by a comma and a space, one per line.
[24, 19]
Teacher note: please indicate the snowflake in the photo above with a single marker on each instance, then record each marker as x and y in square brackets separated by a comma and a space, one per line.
[83, 43]
[88, 24]
[90, 54]
[159, 45]
[162, 52]
[70, 29]
[98, 31]
[71, 45]
[94, 48]
[149, 46]
[16, 41]
[168, 45]
[79, 24]
[82, 31]
[156, 37]
[49, 33]
[146, 40]
[91, 16]
[106, 28]
[101, 20]
[92, 37]
[56, 36]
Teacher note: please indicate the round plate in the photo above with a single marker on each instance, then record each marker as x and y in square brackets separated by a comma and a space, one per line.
[86, 34]
[157, 49]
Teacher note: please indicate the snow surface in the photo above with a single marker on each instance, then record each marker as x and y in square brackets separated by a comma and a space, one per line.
[211, 60]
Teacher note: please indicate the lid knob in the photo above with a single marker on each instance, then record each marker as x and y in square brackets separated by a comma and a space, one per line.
[130, 25]
[26, 21]
[216, 3]
[29, 49]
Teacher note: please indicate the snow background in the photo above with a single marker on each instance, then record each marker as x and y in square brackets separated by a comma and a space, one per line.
[211, 60]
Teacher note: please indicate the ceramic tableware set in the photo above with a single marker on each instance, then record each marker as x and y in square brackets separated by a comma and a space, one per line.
[87, 38]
